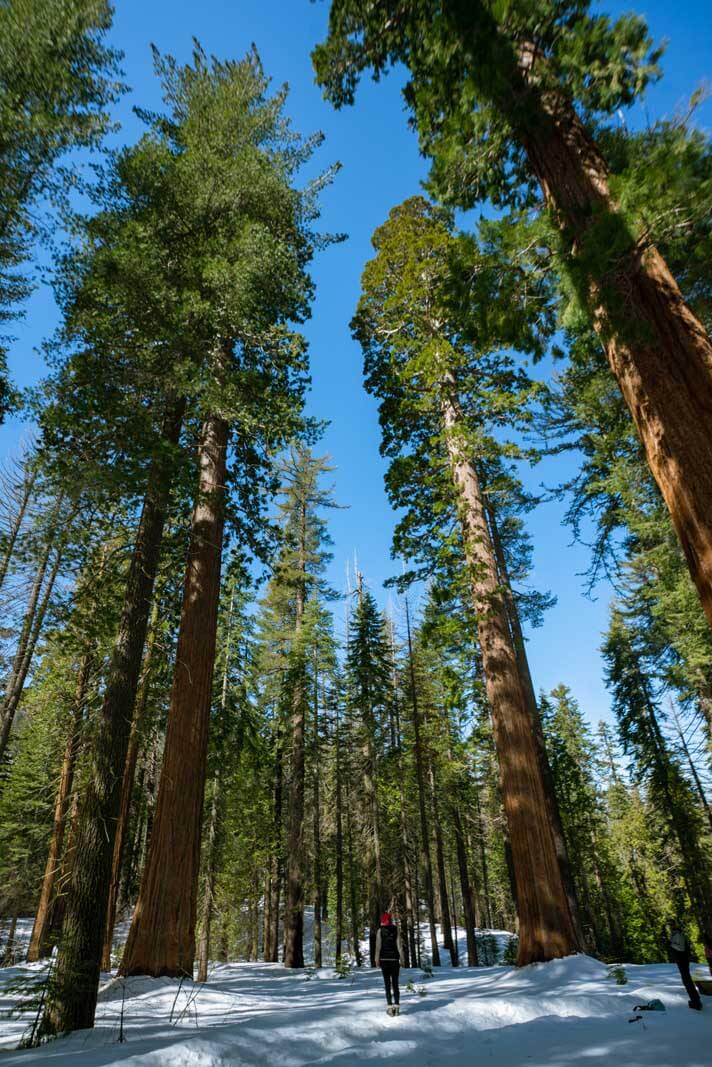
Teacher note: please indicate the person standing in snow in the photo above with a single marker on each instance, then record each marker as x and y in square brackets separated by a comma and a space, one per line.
[389, 956]
[681, 955]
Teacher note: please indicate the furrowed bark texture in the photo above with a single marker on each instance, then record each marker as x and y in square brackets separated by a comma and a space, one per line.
[656, 347]
[73, 1001]
[546, 930]
[127, 787]
[552, 802]
[40, 946]
[162, 936]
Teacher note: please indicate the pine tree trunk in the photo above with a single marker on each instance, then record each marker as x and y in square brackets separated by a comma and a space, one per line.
[294, 904]
[9, 953]
[546, 930]
[353, 888]
[28, 484]
[696, 866]
[56, 920]
[209, 888]
[338, 847]
[693, 770]
[73, 1001]
[271, 943]
[266, 915]
[483, 862]
[465, 888]
[127, 787]
[657, 348]
[162, 936]
[420, 777]
[317, 829]
[446, 923]
[528, 686]
[35, 613]
[372, 857]
[39, 946]
[407, 877]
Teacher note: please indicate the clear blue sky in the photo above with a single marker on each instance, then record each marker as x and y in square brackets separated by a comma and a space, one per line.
[380, 168]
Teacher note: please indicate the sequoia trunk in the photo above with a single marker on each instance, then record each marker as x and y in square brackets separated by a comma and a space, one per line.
[552, 802]
[546, 930]
[162, 936]
[656, 347]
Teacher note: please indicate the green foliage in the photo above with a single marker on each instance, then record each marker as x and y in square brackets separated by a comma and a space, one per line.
[57, 78]
[186, 283]
[487, 950]
[344, 966]
[466, 92]
[618, 972]
[509, 956]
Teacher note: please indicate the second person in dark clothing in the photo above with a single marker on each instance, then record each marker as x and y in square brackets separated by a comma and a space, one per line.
[389, 956]
[682, 956]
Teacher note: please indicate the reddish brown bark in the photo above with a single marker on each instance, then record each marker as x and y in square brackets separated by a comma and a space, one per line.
[162, 936]
[40, 946]
[545, 927]
[552, 802]
[656, 347]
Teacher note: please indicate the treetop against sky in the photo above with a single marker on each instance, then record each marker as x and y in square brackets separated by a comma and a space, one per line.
[380, 168]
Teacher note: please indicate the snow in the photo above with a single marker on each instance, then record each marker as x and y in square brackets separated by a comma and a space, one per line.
[560, 1013]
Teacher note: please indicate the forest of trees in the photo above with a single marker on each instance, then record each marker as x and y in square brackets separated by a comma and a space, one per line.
[201, 741]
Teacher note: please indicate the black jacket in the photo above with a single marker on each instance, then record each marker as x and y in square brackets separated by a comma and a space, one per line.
[388, 944]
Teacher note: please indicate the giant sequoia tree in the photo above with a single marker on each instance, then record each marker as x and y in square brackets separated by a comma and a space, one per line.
[199, 260]
[254, 383]
[434, 356]
[510, 97]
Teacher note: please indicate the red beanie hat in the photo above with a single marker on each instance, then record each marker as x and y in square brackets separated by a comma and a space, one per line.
[386, 919]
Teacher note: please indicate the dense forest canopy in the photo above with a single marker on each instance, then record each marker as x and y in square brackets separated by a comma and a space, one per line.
[211, 745]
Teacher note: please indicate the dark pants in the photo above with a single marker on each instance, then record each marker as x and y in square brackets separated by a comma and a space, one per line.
[390, 969]
[683, 966]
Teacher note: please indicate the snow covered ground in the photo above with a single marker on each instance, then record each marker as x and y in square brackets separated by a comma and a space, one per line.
[561, 1013]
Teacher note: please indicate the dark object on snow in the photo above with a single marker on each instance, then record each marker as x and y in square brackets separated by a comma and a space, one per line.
[389, 956]
[681, 955]
[652, 1005]
[390, 970]
[635, 1019]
